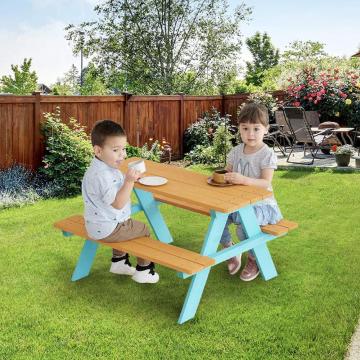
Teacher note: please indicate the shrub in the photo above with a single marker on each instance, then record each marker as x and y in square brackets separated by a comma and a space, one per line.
[333, 92]
[201, 154]
[202, 131]
[265, 99]
[222, 144]
[214, 154]
[153, 152]
[68, 154]
[19, 186]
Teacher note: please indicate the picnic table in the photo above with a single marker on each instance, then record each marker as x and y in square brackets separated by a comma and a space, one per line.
[188, 190]
[342, 132]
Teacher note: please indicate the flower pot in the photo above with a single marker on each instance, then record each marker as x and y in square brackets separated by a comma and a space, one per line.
[342, 159]
[357, 162]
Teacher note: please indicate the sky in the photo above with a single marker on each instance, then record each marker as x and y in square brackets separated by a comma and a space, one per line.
[35, 29]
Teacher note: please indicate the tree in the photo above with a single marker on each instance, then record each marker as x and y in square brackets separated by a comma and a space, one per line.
[304, 51]
[93, 83]
[23, 81]
[161, 46]
[265, 56]
[69, 84]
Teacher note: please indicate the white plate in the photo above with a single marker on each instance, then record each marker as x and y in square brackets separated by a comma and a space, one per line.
[153, 180]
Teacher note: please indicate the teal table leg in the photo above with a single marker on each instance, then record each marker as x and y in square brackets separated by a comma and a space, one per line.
[152, 213]
[262, 254]
[85, 261]
[198, 281]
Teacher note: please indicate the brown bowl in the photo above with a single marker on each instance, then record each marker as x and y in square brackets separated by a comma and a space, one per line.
[219, 176]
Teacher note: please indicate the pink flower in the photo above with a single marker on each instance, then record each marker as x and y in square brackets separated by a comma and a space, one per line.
[322, 91]
[324, 83]
[315, 101]
[344, 96]
[297, 103]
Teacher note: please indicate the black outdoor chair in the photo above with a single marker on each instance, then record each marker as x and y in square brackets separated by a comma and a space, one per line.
[272, 136]
[312, 118]
[284, 135]
[303, 136]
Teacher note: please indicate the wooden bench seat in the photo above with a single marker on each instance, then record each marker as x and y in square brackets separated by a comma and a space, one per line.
[167, 255]
[279, 229]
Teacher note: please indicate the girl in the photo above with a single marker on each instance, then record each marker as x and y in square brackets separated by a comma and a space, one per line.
[251, 163]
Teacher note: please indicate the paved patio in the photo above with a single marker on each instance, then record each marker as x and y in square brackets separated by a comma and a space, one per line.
[326, 161]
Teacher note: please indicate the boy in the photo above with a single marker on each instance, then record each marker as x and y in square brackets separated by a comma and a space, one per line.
[106, 193]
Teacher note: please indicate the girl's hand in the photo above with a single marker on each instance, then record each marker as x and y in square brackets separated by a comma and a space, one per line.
[132, 175]
[235, 178]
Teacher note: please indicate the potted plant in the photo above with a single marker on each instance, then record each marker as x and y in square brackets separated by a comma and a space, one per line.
[342, 154]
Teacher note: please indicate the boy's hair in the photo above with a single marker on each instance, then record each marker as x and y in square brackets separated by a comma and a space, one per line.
[254, 114]
[104, 129]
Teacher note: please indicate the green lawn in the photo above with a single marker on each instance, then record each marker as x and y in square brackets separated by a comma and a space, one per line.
[308, 312]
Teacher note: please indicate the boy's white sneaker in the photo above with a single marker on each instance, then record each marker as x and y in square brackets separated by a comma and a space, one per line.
[122, 266]
[145, 274]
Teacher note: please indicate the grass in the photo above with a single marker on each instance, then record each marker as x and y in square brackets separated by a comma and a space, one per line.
[308, 312]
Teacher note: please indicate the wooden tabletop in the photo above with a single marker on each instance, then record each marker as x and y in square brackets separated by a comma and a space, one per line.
[191, 189]
[342, 129]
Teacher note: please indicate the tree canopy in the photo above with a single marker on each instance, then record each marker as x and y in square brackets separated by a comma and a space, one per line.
[265, 56]
[304, 51]
[22, 82]
[162, 46]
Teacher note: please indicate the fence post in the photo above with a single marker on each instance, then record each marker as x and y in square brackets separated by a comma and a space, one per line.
[127, 97]
[181, 124]
[37, 138]
[222, 105]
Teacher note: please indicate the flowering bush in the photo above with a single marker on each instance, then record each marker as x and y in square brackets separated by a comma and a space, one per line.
[154, 151]
[214, 154]
[333, 93]
[202, 131]
[344, 149]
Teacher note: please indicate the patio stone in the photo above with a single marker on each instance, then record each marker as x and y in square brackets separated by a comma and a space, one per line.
[326, 161]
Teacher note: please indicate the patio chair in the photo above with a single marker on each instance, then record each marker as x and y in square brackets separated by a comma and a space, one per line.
[303, 136]
[283, 129]
[272, 136]
[313, 118]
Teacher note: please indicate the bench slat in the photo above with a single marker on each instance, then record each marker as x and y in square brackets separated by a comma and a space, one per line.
[291, 225]
[274, 229]
[171, 256]
[157, 256]
[174, 250]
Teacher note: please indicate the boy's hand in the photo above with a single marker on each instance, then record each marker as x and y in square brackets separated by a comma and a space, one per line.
[235, 178]
[132, 175]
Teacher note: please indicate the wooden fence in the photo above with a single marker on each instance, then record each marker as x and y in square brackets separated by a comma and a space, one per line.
[143, 117]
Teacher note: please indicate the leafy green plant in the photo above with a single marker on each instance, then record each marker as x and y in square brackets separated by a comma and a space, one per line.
[68, 153]
[201, 154]
[202, 131]
[222, 144]
[150, 152]
[215, 153]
